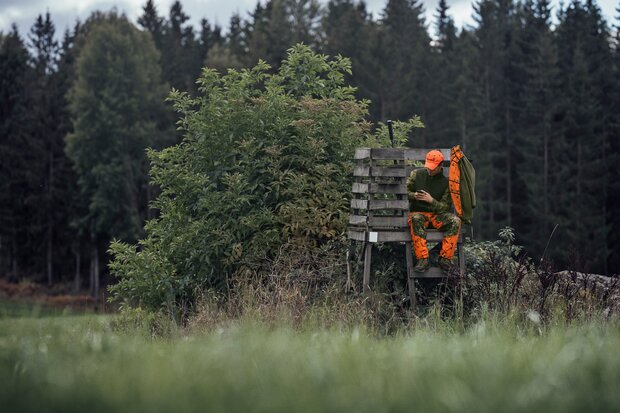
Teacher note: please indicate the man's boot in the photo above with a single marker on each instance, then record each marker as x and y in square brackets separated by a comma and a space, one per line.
[422, 265]
[445, 263]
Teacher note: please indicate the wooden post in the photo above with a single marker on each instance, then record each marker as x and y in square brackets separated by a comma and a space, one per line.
[410, 275]
[461, 258]
[367, 260]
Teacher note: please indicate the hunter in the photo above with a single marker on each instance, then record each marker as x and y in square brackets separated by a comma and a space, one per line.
[429, 203]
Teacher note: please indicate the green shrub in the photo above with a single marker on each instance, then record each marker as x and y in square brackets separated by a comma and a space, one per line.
[266, 159]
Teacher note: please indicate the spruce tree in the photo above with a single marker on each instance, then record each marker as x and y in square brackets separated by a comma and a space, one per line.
[537, 138]
[14, 149]
[493, 117]
[584, 61]
[179, 47]
[442, 127]
[152, 22]
[115, 101]
[613, 191]
[344, 27]
[403, 54]
[278, 25]
[47, 152]
[235, 40]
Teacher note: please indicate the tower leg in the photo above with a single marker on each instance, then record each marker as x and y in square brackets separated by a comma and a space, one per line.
[410, 275]
[367, 260]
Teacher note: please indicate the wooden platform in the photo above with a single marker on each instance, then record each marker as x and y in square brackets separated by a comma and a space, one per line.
[380, 207]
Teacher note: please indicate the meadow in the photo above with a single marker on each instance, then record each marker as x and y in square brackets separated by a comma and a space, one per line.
[57, 362]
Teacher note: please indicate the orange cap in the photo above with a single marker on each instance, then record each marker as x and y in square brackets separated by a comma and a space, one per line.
[433, 158]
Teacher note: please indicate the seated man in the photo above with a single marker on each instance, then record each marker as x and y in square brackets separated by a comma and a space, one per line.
[429, 203]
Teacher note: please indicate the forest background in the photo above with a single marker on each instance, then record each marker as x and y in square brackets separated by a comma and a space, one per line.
[533, 100]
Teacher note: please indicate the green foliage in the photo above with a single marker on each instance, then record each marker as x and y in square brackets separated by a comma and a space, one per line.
[402, 131]
[115, 104]
[77, 364]
[265, 159]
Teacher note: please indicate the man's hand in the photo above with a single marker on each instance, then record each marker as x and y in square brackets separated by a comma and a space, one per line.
[423, 196]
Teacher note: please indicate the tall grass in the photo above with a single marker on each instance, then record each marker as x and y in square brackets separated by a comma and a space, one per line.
[77, 364]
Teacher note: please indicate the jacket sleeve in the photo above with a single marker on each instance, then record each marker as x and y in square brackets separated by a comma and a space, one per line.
[410, 182]
[443, 204]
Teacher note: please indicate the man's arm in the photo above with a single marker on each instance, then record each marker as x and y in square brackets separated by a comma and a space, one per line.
[410, 182]
[443, 204]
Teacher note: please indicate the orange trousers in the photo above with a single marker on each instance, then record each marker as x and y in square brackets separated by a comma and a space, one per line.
[419, 221]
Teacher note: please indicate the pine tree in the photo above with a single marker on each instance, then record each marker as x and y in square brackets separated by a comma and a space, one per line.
[152, 23]
[235, 40]
[278, 25]
[404, 50]
[14, 144]
[47, 153]
[493, 117]
[179, 48]
[345, 26]
[115, 101]
[584, 61]
[613, 191]
[536, 139]
[442, 128]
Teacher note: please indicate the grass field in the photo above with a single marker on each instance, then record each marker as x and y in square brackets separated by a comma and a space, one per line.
[73, 363]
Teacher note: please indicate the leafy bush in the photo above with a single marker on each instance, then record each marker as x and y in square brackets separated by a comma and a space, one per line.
[502, 279]
[266, 159]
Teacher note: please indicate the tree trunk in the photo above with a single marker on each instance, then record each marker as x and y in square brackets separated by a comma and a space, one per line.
[78, 275]
[94, 265]
[508, 171]
[545, 179]
[50, 224]
[49, 255]
[14, 267]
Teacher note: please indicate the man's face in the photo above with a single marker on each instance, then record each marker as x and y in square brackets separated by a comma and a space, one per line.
[433, 172]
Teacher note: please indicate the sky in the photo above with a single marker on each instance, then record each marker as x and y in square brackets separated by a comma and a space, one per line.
[64, 13]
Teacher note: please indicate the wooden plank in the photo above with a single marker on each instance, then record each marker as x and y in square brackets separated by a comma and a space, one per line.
[389, 171]
[382, 154]
[359, 204]
[378, 222]
[434, 235]
[395, 188]
[382, 171]
[393, 236]
[402, 204]
[357, 235]
[432, 272]
[357, 219]
[397, 154]
[410, 168]
[362, 153]
[382, 236]
[376, 205]
[382, 222]
[360, 188]
[361, 171]
[419, 154]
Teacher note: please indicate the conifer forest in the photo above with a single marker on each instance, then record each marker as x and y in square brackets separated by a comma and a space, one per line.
[531, 92]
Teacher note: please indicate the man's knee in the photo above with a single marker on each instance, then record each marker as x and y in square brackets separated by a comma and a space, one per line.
[417, 222]
[417, 217]
[451, 223]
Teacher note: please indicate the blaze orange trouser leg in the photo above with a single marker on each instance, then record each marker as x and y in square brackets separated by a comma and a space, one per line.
[419, 221]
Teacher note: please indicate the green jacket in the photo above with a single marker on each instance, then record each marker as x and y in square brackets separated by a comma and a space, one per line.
[436, 186]
[467, 188]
